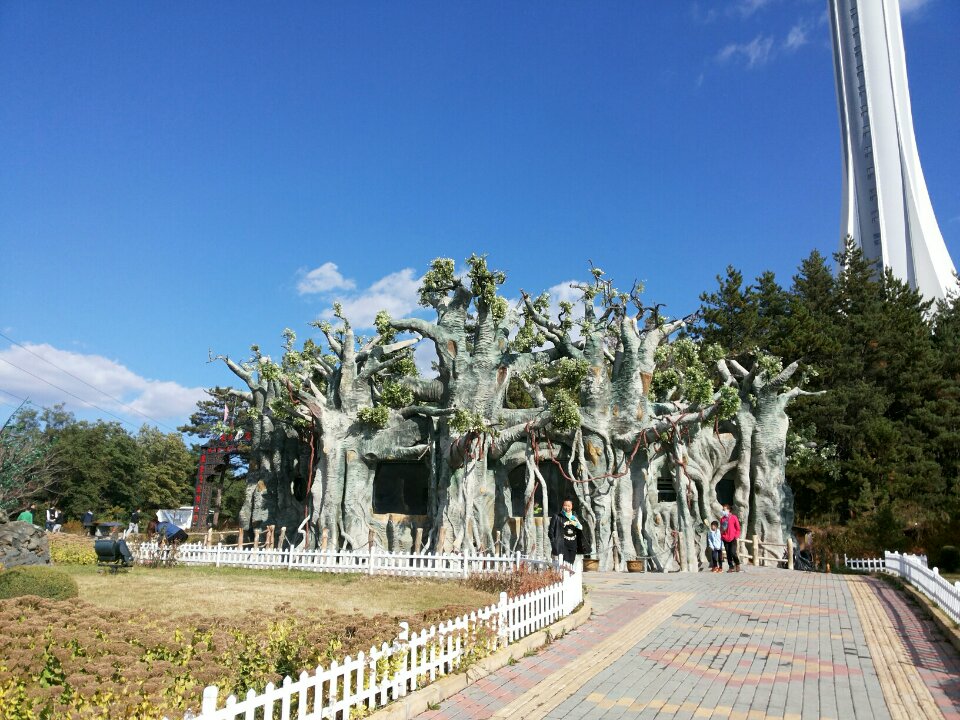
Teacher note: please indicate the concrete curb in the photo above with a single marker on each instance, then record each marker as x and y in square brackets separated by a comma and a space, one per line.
[419, 701]
[936, 614]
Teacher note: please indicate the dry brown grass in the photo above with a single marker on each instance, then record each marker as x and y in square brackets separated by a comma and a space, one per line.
[231, 592]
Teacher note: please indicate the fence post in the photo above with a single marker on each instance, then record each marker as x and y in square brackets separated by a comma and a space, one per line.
[209, 702]
[503, 626]
[756, 550]
[516, 561]
[219, 548]
[790, 553]
[370, 536]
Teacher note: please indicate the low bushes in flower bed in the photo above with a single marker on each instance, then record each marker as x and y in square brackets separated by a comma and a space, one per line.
[38, 580]
[67, 549]
[74, 660]
[524, 580]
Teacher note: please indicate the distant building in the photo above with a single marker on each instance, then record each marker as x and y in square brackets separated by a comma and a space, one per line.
[886, 208]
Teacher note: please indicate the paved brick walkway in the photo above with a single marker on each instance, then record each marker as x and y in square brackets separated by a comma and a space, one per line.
[762, 644]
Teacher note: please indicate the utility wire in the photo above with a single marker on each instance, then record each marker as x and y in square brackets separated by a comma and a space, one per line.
[94, 387]
[85, 402]
[23, 401]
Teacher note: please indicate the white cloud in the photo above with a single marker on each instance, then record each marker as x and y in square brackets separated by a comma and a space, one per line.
[166, 399]
[746, 8]
[797, 37]
[911, 6]
[161, 399]
[396, 293]
[755, 53]
[703, 15]
[424, 356]
[324, 279]
[562, 292]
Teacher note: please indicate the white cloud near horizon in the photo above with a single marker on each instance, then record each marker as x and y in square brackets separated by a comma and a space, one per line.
[755, 53]
[160, 399]
[397, 293]
[323, 279]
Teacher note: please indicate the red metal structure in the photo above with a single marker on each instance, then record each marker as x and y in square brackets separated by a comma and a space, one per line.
[214, 457]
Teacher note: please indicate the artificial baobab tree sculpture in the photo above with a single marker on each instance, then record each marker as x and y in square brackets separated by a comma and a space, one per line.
[269, 498]
[526, 407]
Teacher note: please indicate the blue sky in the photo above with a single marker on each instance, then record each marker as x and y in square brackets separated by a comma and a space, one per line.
[187, 176]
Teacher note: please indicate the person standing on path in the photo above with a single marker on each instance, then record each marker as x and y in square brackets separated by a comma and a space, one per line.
[730, 533]
[26, 516]
[51, 518]
[566, 534]
[715, 544]
[134, 527]
[87, 522]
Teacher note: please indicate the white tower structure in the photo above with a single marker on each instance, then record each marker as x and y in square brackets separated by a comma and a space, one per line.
[886, 208]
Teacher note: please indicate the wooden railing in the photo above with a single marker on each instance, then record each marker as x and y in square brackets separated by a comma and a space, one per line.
[775, 554]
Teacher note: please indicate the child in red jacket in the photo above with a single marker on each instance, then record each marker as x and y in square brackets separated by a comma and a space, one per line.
[729, 533]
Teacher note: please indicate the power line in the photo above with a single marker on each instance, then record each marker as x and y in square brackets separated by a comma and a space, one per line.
[15, 397]
[85, 402]
[94, 387]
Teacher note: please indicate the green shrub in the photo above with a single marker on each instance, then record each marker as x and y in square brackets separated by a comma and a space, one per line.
[949, 559]
[71, 549]
[37, 580]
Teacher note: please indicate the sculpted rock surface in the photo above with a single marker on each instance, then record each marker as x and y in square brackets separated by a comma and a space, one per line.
[22, 544]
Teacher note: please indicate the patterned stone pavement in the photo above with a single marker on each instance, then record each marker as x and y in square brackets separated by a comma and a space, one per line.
[761, 644]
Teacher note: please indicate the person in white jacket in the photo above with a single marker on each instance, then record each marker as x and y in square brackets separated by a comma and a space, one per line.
[715, 544]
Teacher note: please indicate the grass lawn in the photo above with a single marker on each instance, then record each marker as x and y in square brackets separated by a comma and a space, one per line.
[231, 592]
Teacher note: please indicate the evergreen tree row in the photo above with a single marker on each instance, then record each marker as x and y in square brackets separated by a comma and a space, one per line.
[879, 452]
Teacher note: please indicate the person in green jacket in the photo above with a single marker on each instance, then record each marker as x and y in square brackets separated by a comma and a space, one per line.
[26, 516]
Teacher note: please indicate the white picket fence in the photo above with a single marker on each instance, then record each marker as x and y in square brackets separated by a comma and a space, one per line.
[373, 561]
[914, 569]
[865, 564]
[373, 679]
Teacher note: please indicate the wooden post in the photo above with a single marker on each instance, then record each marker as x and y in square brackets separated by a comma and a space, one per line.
[283, 536]
[240, 539]
[268, 540]
[497, 550]
[209, 541]
[756, 550]
[323, 539]
[441, 537]
[418, 541]
[256, 538]
[790, 553]
[370, 536]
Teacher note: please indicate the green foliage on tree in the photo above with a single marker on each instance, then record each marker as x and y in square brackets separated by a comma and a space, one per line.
[49, 456]
[28, 459]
